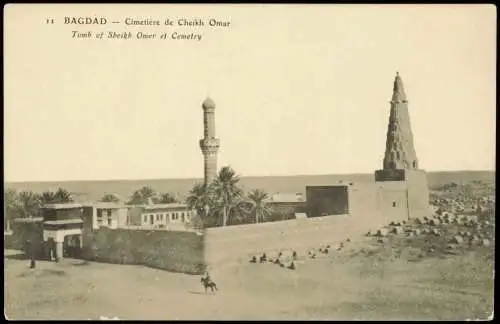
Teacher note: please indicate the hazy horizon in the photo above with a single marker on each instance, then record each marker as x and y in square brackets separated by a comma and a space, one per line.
[240, 175]
[299, 90]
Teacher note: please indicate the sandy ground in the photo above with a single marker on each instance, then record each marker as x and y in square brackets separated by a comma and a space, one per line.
[337, 286]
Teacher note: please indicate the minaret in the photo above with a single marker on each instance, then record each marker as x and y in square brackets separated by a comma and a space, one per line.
[209, 144]
[399, 149]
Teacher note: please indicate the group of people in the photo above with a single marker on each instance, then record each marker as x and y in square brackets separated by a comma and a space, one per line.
[311, 254]
[263, 259]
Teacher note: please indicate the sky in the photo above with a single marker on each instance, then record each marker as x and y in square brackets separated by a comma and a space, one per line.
[299, 89]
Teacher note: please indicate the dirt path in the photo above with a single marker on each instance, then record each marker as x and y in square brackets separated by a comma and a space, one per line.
[334, 287]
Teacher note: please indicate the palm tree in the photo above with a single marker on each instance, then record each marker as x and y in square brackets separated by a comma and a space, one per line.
[62, 196]
[10, 207]
[28, 204]
[228, 194]
[200, 199]
[47, 197]
[166, 198]
[109, 198]
[258, 199]
[142, 196]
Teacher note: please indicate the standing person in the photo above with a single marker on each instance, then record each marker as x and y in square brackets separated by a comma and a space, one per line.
[30, 250]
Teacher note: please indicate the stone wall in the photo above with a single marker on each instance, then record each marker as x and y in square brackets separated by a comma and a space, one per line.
[418, 193]
[237, 244]
[392, 202]
[375, 204]
[371, 206]
[168, 250]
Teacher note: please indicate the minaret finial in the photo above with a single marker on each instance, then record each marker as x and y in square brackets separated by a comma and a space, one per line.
[398, 93]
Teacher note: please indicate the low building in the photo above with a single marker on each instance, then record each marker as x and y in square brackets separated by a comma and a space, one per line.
[171, 216]
[62, 228]
[286, 205]
[106, 214]
[389, 200]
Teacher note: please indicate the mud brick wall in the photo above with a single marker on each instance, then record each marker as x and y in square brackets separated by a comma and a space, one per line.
[169, 250]
[236, 244]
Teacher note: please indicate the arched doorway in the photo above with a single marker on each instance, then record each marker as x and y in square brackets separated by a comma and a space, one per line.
[72, 246]
[50, 249]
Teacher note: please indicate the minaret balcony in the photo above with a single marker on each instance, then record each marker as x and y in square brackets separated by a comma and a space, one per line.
[209, 143]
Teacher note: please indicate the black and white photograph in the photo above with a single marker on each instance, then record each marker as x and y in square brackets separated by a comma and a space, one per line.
[249, 161]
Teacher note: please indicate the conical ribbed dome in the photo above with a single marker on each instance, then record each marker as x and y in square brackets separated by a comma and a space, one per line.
[400, 151]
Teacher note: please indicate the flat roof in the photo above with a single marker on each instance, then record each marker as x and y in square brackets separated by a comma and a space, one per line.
[109, 205]
[85, 204]
[64, 221]
[286, 198]
[164, 206]
[328, 186]
[28, 220]
[63, 206]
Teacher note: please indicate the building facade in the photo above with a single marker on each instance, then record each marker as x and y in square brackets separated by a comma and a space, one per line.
[109, 215]
[286, 205]
[173, 216]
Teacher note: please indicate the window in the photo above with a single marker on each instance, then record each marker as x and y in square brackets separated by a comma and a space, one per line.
[157, 217]
[145, 218]
[99, 217]
[109, 212]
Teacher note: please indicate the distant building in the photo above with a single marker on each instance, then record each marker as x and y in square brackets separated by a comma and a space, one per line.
[287, 198]
[400, 190]
[286, 205]
[111, 215]
[170, 216]
[62, 228]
